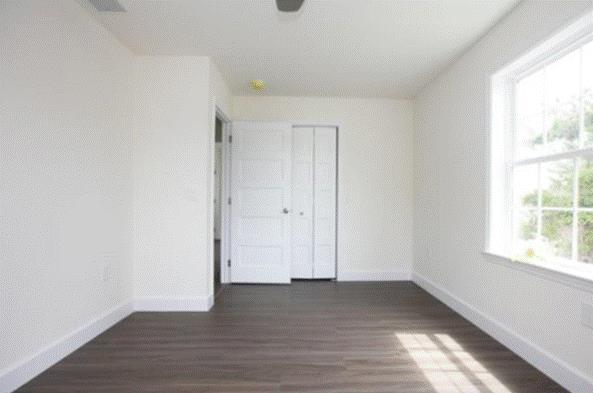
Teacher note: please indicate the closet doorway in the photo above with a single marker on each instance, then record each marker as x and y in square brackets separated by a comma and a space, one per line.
[283, 210]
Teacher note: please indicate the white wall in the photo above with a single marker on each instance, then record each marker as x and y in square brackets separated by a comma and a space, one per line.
[106, 171]
[450, 175]
[176, 100]
[374, 176]
[66, 174]
[171, 161]
[220, 93]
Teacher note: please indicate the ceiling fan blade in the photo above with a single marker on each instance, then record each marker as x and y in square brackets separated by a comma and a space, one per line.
[289, 5]
[107, 5]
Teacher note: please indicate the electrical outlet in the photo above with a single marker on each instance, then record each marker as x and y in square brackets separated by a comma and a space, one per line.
[587, 315]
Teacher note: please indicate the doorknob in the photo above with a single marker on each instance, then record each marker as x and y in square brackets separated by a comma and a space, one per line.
[285, 211]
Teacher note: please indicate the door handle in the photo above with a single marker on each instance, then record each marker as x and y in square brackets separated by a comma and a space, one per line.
[285, 211]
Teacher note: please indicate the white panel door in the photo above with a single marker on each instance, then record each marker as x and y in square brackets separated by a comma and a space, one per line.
[261, 196]
[302, 203]
[324, 223]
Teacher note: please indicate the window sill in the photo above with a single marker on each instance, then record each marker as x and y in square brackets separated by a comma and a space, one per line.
[581, 279]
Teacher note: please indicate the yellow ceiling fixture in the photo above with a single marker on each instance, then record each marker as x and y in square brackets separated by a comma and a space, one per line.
[257, 84]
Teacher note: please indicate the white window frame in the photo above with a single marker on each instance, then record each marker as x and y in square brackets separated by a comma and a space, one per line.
[501, 148]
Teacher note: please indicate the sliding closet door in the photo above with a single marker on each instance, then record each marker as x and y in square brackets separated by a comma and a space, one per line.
[302, 203]
[324, 190]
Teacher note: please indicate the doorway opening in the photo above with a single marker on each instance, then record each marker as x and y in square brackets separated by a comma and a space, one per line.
[217, 204]
[221, 203]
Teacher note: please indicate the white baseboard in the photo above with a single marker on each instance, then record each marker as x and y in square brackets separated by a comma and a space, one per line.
[20, 373]
[163, 304]
[566, 375]
[374, 276]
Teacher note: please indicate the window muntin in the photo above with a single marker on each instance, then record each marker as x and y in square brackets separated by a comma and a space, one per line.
[552, 160]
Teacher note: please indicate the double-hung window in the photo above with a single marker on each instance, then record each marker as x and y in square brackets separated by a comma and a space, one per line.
[541, 191]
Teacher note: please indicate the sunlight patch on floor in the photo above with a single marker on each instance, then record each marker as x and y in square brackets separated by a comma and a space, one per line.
[433, 358]
[477, 369]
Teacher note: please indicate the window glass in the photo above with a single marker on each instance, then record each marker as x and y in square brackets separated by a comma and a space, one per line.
[557, 183]
[585, 237]
[556, 234]
[529, 140]
[562, 103]
[552, 168]
[588, 94]
[525, 234]
[586, 183]
[525, 186]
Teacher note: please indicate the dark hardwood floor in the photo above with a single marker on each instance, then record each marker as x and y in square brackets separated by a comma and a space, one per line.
[307, 337]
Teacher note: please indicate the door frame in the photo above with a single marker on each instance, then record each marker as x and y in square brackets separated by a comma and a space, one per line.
[226, 235]
[225, 210]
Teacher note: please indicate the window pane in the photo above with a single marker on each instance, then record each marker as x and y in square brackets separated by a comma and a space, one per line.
[562, 100]
[524, 234]
[586, 237]
[530, 95]
[553, 113]
[525, 180]
[588, 93]
[530, 115]
[557, 234]
[586, 183]
[529, 138]
[557, 182]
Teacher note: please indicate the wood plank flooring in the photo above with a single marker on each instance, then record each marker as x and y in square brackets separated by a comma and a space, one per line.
[306, 337]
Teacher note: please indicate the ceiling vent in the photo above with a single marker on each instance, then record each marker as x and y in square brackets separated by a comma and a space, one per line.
[107, 5]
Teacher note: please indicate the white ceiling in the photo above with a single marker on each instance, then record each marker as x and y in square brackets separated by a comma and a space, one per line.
[361, 48]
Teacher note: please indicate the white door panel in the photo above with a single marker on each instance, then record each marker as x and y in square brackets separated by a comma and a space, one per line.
[314, 202]
[324, 222]
[302, 202]
[261, 189]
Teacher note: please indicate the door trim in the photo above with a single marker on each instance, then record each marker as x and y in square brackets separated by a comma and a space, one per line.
[225, 211]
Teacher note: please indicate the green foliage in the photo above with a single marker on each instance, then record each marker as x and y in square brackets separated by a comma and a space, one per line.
[586, 237]
[566, 126]
[586, 184]
[557, 226]
[529, 228]
[530, 199]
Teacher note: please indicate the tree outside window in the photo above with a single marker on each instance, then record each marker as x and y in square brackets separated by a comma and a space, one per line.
[553, 164]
